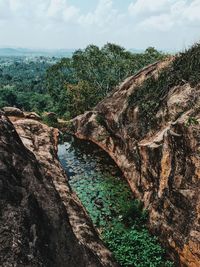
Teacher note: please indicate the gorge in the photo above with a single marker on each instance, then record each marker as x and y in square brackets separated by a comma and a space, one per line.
[42, 222]
[149, 126]
[116, 214]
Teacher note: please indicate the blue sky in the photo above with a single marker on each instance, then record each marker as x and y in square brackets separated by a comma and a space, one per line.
[164, 24]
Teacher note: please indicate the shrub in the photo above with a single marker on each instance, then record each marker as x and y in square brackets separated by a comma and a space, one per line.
[184, 69]
[50, 119]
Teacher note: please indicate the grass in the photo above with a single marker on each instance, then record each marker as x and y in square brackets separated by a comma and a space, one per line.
[185, 68]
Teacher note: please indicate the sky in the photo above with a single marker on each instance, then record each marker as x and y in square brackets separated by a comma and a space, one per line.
[55, 24]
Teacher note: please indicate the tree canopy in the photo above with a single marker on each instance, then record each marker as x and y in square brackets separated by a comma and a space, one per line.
[80, 82]
[68, 86]
[22, 83]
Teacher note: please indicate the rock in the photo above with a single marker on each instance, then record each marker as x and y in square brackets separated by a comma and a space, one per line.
[11, 111]
[42, 222]
[32, 115]
[160, 162]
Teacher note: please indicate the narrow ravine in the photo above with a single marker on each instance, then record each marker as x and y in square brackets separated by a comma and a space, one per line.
[118, 217]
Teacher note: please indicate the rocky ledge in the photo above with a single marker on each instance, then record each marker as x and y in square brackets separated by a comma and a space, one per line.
[42, 223]
[158, 153]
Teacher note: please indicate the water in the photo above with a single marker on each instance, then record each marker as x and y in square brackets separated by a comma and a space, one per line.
[96, 179]
[83, 159]
[118, 217]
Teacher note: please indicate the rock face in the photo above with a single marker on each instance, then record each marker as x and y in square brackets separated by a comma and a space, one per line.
[11, 111]
[161, 161]
[42, 223]
[32, 115]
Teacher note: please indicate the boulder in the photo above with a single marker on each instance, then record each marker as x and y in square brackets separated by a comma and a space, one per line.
[12, 111]
[32, 115]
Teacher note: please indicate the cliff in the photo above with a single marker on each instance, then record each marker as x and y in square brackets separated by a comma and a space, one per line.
[42, 223]
[150, 126]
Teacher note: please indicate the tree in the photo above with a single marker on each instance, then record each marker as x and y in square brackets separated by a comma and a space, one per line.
[8, 96]
[80, 82]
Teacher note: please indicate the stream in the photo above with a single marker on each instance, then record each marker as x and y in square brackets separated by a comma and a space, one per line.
[118, 217]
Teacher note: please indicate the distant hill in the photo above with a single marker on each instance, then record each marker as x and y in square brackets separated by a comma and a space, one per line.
[8, 52]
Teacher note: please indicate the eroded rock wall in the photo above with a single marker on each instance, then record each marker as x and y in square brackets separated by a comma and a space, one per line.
[42, 223]
[162, 163]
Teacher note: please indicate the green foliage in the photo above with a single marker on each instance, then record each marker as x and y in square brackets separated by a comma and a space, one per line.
[121, 220]
[111, 197]
[72, 85]
[183, 69]
[100, 119]
[148, 97]
[134, 247]
[80, 82]
[66, 116]
[8, 96]
[186, 66]
[191, 121]
[50, 119]
[22, 83]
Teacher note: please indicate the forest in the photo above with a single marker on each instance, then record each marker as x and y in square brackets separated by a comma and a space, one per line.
[22, 83]
[68, 86]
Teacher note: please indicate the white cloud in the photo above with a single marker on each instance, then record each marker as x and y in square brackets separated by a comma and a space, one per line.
[4, 9]
[142, 23]
[38, 9]
[19, 5]
[192, 11]
[141, 7]
[103, 15]
[59, 9]
[26, 9]
[162, 15]
[160, 23]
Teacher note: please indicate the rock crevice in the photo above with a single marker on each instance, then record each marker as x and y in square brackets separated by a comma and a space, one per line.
[42, 223]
